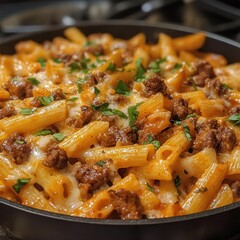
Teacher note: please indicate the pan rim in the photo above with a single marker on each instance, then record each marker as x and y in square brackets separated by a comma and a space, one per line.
[76, 219]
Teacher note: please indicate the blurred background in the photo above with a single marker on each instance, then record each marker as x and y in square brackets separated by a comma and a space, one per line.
[218, 16]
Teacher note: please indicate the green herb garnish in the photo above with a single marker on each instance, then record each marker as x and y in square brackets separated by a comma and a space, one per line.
[20, 183]
[191, 115]
[187, 132]
[176, 67]
[42, 61]
[43, 132]
[150, 140]
[122, 88]
[100, 163]
[46, 100]
[73, 99]
[108, 112]
[155, 64]
[133, 114]
[59, 136]
[139, 77]
[111, 67]
[57, 60]
[150, 188]
[79, 84]
[234, 119]
[33, 80]
[74, 67]
[225, 86]
[27, 111]
[89, 43]
[96, 90]
[20, 142]
[177, 181]
[193, 84]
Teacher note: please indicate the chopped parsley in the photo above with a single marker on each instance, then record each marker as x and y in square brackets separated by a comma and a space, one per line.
[15, 79]
[177, 181]
[176, 122]
[111, 67]
[191, 115]
[96, 90]
[201, 190]
[20, 183]
[33, 80]
[27, 111]
[150, 188]
[176, 67]
[79, 84]
[20, 142]
[139, 77]
[46, 100]
[150, 140]
[43, 132]
[56, 60]
[89, 43]
[187, 132]
[74, 67]
[133, 114]
[100, 108]
[193, 84]
[155, 64]
[108, 112]
[73, 99]
[225, 86]
[42, 61]
[59, 136]
[122, 88]
[100, 163]
[234, 119]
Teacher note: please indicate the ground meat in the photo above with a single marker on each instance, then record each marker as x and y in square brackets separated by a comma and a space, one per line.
[36, 103]
[205, 139]
[94, 78]
[211, 134]
[119, 99]
[143, 136]
[203, 71]
[68, 58]
[109, 139]
[226, 139]
[56, 157]
[86, 114]
[153, 85]
[16, 146]
[126, 203]
[234, 110]
[91, 177]
[58, 94]
[208, 124]
[94, 49]
[214, 88]
[19, 89]
[125, 136]
[84, 118]
[180, 109]
[7, 111]
[235, 186]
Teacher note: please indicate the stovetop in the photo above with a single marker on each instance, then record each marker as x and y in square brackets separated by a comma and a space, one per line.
[218, 16]
[213, 16]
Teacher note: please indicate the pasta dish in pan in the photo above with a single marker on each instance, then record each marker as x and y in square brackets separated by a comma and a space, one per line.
[100, 127]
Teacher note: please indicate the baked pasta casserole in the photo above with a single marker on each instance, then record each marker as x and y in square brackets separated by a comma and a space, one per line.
[100, 127]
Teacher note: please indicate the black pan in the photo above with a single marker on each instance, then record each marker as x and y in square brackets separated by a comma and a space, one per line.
[26, 223]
